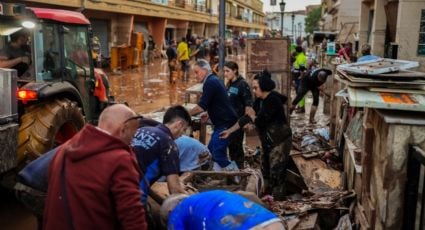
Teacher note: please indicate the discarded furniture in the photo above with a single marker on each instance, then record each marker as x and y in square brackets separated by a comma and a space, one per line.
[381, 165]
[121, 58]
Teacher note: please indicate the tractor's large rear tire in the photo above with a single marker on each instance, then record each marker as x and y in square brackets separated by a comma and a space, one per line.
[47, 125]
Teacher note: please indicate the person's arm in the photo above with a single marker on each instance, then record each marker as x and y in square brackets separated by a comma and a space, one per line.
[126, 194]
[174, 184]
[206, 98]
[4, 63]
[196, 110]
[240, 123]
[194, 52]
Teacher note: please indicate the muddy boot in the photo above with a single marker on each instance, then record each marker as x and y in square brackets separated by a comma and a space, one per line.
[300, 110]
[313, 110]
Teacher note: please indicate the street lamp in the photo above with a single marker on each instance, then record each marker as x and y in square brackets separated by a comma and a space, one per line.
[293, 24]
[282, 10]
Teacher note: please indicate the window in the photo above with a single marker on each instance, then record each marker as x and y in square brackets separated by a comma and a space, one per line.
[47, 50]
[421, 42]
[77, 51]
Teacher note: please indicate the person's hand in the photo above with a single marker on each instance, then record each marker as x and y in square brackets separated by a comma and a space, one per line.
[225, 134]
[249, 111]
[249, 127]
[203, 158]
[204, 117]
[25, 59]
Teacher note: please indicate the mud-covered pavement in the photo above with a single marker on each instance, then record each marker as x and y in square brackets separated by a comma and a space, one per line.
[148, 89]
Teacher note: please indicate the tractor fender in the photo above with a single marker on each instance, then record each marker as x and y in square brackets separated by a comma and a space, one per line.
[62, 89]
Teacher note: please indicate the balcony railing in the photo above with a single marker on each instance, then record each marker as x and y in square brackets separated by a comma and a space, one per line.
[200, 7]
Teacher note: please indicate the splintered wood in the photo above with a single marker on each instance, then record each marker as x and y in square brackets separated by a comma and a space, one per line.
[198, 181]
[317, 176]
[326, 200]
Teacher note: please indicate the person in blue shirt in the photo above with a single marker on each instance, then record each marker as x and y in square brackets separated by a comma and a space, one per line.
[192, 153]
[216, 209]
[214, 100]
[366, 55]
[157, 153]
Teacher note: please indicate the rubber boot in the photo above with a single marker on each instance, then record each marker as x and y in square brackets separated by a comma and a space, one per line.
[313, 110]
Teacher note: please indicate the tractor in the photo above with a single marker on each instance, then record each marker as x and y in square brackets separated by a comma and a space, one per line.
[57, 91]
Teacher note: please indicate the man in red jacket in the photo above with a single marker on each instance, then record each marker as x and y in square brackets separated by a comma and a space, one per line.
[94, 177]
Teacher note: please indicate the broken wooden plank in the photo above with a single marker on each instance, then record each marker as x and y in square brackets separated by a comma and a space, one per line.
[360, 217]
[317, 176]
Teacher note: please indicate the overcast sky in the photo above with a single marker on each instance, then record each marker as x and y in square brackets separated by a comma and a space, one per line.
[291, 5]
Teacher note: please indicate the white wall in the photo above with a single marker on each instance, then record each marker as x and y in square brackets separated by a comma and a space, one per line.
[408, 23]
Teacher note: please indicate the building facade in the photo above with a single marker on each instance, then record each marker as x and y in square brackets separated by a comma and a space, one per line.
[394, 28]
[341, 16]
[293, 23]
[113, 21]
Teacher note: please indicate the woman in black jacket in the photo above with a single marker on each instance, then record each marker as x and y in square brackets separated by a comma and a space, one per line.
[241, 99]
[275, 134]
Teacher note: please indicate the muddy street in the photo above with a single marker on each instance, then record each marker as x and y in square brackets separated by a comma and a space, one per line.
[148, 89]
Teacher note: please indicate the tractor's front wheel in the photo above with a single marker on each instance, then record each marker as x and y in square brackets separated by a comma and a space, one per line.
[47, 125]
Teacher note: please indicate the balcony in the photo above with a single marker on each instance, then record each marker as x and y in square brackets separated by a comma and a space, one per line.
[200, 8]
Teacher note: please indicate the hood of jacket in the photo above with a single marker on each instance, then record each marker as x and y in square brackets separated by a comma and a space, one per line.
[91, 141]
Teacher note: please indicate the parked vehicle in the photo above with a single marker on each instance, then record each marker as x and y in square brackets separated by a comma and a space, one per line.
[60, 90]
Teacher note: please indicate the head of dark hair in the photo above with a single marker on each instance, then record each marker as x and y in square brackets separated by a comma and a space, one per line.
[299, 49]
[177, 112]
[265, 81]
[233, 66]
[366, 49]
[14, 37]
[183, 39]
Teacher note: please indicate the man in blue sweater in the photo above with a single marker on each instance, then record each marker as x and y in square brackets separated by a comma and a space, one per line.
[215, 101]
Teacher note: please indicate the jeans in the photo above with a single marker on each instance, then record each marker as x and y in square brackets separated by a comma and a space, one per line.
[218, 148]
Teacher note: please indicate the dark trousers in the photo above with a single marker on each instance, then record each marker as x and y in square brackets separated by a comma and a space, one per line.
[236, 150]
[274, 163]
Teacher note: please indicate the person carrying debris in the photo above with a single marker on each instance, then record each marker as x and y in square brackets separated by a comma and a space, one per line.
[312, 81]
[274, 132]
[157, 153]
[217, 209]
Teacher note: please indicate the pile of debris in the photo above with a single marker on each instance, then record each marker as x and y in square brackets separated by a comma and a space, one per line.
[383, 84]
[317, 171]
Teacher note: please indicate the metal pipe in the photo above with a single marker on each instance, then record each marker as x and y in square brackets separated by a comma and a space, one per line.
[221, 35]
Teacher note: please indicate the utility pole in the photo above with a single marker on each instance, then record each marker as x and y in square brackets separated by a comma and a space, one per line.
[300, 29]
[293, 26]
[221, 35]
[282, 10]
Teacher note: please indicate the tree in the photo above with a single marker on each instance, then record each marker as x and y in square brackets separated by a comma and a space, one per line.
[312, 20]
